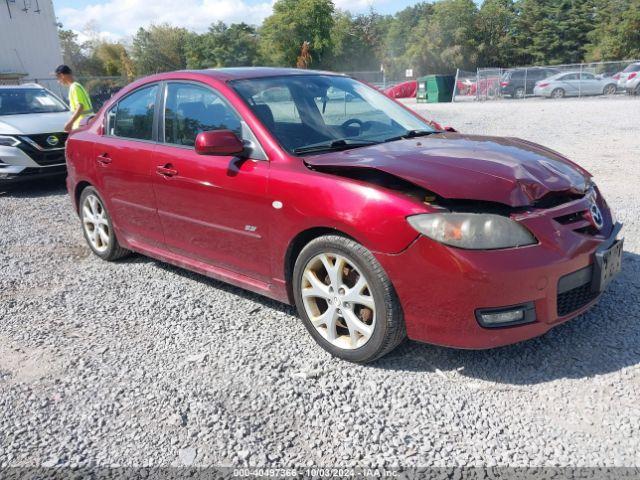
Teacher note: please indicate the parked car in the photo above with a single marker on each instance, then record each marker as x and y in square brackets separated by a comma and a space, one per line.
[32, 136]
[373, 223]
[574, 84]
[407, 89]
[630, 73]
[512, 83]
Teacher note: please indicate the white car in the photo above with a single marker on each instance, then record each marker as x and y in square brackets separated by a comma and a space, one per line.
[32, 137]
[628, 78]
[574, 84]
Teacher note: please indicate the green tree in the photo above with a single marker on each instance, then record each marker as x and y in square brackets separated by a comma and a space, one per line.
[114, 59]
[160, 48]
[399, 35]
[553, 31]
[495, 25]
[293, 22]
[223, 46]
[616, 35]
[445, 40]
[358, 41]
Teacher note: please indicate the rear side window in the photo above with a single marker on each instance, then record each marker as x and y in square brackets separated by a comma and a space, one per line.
[191, 109]
[634, 67]
[132, 117]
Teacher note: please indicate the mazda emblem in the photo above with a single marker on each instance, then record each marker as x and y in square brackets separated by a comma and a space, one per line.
[596, 216]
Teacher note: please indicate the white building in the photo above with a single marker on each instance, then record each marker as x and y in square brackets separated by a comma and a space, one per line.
[29, 45]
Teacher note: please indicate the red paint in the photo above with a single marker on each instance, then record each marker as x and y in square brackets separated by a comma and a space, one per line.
[214, 214]
[218, 142]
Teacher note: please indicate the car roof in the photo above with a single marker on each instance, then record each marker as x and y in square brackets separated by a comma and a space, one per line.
[25, 86]
[241, 73]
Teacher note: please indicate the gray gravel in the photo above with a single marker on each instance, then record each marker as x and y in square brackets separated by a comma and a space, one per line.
[137, 363]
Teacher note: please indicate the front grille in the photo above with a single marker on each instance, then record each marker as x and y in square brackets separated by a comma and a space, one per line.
[41, 139]
[43, 158]
[574, 291]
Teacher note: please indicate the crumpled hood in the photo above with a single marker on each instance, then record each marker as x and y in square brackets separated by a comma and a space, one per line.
[505, 170]
[32, 123]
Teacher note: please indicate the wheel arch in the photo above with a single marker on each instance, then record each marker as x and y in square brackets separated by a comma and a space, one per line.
[295, 247]
[80, 186]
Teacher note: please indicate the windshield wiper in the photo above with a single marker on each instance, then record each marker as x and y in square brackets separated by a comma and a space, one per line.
[412, 134]
[342, 144]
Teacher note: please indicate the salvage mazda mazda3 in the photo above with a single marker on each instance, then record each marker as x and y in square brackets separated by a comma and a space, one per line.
[317, 190]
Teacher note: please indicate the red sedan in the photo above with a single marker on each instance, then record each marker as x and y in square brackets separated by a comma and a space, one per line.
[317, 190]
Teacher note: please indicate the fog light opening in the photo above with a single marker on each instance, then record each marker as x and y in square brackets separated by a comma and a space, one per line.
[506, 316]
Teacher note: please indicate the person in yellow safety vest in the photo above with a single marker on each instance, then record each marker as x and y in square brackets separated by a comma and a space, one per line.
[79, 100]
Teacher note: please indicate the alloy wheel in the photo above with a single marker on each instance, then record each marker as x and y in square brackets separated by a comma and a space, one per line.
[95, 223]
[338, 300]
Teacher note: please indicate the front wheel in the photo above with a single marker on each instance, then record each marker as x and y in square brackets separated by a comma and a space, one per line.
[610, 89]
[346, 300]
[97, 227]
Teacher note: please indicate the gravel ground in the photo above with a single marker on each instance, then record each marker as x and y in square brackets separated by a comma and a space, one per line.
[137, 363]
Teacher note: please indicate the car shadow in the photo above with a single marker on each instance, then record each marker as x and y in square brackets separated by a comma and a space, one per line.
[603, 340]
[43, 187]
[212, 282]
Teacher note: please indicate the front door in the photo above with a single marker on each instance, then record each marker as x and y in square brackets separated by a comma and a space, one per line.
[212, 208]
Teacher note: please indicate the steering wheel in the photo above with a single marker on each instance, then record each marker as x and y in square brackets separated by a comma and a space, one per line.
[347, 123]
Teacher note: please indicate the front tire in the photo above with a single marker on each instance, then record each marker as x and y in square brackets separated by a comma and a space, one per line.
[97, 227]
[610, 89]
[346, 300]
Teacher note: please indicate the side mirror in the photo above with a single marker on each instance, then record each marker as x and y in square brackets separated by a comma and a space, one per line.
[218, 142]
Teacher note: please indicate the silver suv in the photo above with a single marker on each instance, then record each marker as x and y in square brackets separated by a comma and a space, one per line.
[32, 136]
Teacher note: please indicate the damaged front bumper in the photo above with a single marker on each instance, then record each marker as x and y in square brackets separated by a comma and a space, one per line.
[444, 291]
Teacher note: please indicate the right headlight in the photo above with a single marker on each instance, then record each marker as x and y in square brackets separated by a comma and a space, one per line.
[8, 141]
[474, 231]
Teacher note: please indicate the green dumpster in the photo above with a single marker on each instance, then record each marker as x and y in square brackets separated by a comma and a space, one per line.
[435, 88]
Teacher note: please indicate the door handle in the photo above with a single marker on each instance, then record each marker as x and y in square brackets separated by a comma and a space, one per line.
[166, 170]
[104, 159]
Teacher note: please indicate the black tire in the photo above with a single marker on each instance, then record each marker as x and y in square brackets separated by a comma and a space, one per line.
[519, 93]
[113, 250]
[558, 93]
[389, 330]
[610, 89]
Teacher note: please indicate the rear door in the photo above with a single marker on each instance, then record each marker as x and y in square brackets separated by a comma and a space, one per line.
[123, 157]
[213, 208]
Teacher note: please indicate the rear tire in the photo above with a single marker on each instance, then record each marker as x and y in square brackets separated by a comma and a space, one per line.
[519, 93]
[97, 227]
[558, 93]
[346, 300]
[610, 89]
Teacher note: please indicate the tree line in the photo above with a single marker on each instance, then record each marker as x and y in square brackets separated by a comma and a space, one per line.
[433, 37]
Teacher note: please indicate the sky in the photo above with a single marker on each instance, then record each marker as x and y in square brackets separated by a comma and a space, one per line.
[119, 19]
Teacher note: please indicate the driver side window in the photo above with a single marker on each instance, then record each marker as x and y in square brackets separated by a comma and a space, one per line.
[191, 109]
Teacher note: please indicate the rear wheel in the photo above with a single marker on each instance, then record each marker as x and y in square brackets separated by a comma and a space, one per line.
[346, 300]
[609, 89]
[97, 227]
[519, 93]
[558, 93]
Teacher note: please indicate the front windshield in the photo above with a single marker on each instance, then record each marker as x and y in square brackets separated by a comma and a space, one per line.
[18, 101]
[311, 112]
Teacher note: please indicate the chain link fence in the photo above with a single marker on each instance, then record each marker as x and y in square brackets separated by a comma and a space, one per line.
[550, 81]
